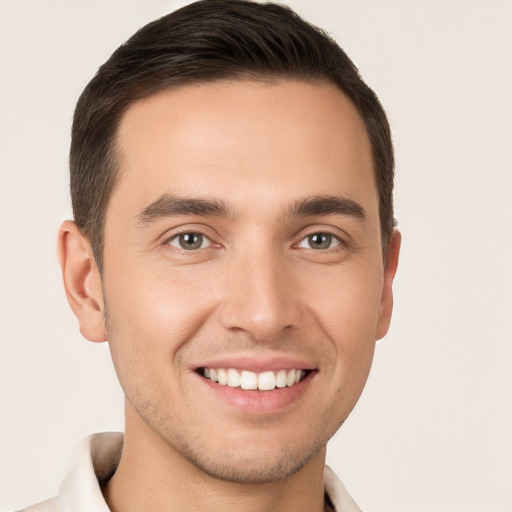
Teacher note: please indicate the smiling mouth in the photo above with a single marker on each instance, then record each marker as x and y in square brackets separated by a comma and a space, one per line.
[247, 380]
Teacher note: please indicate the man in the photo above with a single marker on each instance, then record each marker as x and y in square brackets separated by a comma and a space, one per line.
[231, 179]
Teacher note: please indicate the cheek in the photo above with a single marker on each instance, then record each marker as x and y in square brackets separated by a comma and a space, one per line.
[346, 302]
[347, 308]
[151, 316]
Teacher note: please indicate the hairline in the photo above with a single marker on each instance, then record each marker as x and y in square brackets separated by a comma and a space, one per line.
[114, 155]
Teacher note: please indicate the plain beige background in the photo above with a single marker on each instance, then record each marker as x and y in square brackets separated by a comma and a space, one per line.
[433, 430]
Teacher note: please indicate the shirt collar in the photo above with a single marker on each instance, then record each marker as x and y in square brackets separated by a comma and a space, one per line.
[97, 461]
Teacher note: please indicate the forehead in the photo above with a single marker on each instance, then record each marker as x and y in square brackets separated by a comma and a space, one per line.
[244, 142]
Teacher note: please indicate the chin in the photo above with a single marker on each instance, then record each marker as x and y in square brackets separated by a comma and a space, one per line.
[244, 469]
[248, 463]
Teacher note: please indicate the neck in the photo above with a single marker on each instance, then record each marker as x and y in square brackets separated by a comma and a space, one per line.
[153, 476]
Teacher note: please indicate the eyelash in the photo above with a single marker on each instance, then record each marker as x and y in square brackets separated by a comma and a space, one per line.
[177, 237]
[325, 236]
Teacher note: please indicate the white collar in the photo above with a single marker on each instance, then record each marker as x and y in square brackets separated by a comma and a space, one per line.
[98, 458]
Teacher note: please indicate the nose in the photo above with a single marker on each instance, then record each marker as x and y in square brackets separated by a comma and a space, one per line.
[261, 299]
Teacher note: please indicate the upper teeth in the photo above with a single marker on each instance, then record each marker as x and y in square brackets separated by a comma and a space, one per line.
[264, 381]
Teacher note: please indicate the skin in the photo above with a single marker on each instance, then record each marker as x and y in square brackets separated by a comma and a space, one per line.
[257, 289]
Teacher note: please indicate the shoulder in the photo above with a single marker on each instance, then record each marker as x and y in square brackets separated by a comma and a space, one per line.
[94, 463]
[51, 505]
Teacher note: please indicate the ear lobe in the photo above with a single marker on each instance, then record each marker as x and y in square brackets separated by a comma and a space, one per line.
[82, 281]
[386, 301]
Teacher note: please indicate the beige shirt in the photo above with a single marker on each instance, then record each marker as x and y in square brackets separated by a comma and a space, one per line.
[97, 461]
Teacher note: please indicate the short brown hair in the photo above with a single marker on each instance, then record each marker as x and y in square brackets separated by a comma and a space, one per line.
[206, 41]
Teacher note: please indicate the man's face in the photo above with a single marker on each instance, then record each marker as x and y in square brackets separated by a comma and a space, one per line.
[243, 238]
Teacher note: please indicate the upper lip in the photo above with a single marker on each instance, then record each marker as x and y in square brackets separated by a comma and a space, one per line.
[257, 364]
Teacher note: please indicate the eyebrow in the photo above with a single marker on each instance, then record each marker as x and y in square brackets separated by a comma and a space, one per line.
[170, 206]
[328, 205]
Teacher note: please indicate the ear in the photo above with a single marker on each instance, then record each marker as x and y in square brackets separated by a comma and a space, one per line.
[386, 300]
[82, 281]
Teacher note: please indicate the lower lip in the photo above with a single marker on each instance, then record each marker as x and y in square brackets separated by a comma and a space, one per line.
[259, 402]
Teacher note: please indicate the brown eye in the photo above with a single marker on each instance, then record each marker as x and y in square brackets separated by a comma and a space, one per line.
[319, 241]
[189, 241]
